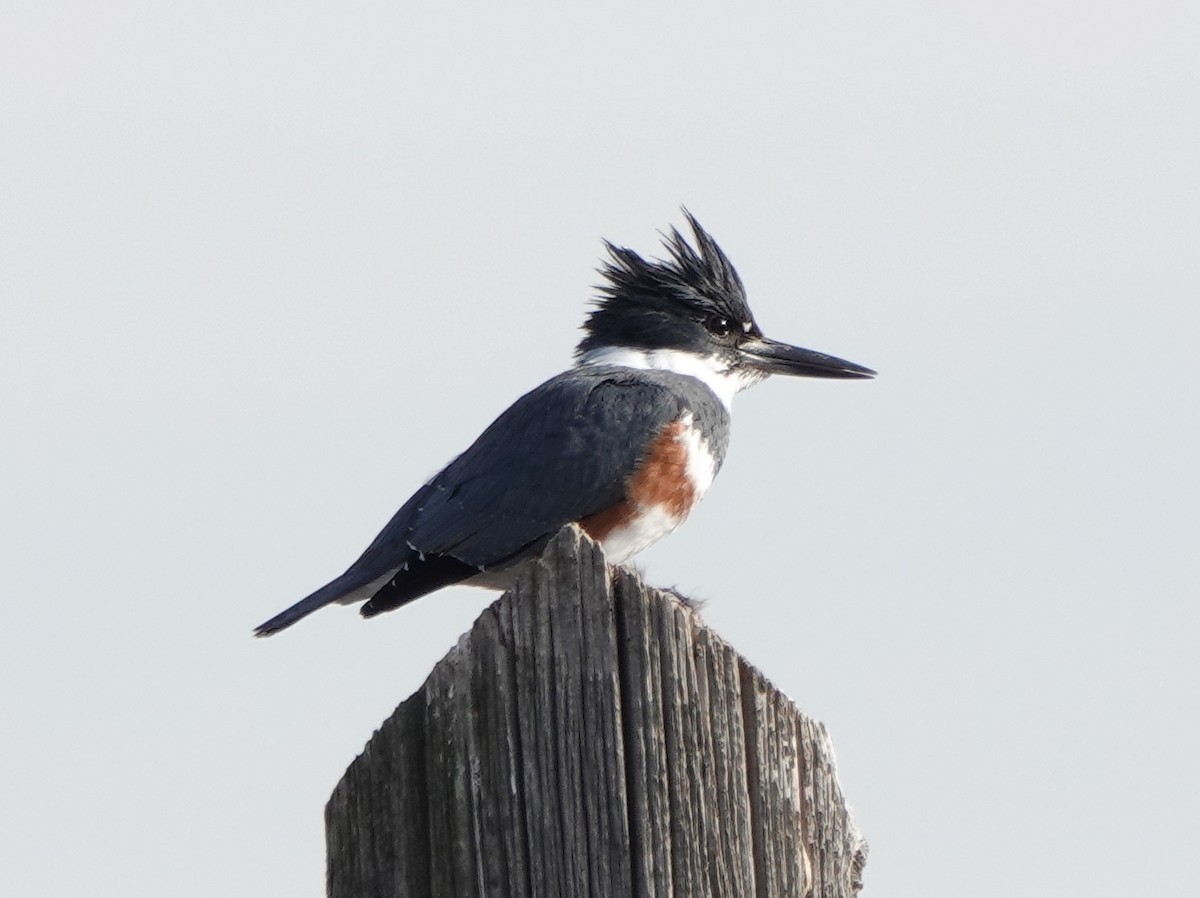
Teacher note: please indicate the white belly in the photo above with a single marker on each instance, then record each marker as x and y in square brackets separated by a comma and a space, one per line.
[640, 533]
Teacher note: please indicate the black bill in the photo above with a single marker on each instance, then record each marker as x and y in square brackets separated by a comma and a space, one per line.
[773, 357]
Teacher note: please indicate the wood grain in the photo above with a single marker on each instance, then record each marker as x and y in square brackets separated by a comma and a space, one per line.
[591, 737]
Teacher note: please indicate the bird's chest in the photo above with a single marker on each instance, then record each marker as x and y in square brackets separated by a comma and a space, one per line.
[674, 473]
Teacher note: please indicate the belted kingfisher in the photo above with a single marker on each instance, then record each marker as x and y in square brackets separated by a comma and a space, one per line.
[624, 444]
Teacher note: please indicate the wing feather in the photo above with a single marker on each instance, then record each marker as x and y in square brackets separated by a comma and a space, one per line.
[558, 454]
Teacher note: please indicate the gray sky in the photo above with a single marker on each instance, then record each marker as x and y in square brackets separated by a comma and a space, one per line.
[265, 267]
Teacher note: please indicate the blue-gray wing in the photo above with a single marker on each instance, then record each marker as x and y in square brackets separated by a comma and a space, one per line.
[558, 454]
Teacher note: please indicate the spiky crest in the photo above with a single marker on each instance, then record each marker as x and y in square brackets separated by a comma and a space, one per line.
[642, 302]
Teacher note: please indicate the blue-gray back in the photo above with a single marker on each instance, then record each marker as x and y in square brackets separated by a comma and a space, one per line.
[560, 453]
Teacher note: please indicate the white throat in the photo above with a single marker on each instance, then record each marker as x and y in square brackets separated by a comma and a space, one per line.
[716, 375]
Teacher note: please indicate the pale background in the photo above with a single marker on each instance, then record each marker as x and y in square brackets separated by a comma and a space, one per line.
[264, 267]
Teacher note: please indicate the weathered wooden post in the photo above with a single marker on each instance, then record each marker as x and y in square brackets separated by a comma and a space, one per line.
[592, 737]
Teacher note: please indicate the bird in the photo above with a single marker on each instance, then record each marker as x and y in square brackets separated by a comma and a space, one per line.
[624, 443]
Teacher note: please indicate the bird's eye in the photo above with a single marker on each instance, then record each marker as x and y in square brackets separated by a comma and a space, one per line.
[718, 326]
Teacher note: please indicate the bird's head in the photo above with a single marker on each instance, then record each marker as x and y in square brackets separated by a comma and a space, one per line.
[689, 311]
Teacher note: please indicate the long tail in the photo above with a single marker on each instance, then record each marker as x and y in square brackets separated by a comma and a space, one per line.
[342, 589]
[388, 553]
[385, 592]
